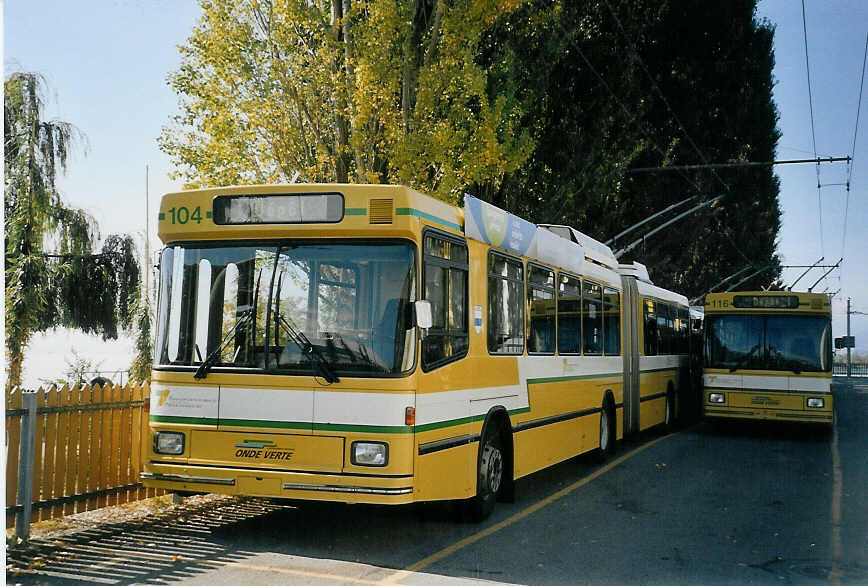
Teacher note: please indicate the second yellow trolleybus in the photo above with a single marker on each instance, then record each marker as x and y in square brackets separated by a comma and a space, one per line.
[768, 356]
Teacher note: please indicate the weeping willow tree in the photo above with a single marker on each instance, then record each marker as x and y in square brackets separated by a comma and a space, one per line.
[54, 276]
[140, 369]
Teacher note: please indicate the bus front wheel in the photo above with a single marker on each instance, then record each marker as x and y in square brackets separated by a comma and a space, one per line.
[489, 480]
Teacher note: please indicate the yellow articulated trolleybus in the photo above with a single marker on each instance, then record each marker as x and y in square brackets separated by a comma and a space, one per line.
[370, 344]
[768, 356]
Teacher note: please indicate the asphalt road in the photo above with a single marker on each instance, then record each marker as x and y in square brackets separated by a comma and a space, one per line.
[711, 504]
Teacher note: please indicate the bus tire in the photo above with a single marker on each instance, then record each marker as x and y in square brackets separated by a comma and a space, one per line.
[606, 447]
[489, 475]
[669, 411]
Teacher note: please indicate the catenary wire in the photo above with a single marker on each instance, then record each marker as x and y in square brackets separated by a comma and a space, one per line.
[632, 119]
[635, 54]
[853, 149]
[813, 134]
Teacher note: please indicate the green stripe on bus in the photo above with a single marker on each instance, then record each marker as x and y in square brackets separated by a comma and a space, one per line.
[306, 426]
[363, 428]
[185, 420]
[355, 212]
[302, 425]
[557, 379]
[646, 371]
[463, 420]
[449, 423]
[427, 216]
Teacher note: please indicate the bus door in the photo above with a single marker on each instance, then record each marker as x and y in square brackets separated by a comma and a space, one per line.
[630, 328]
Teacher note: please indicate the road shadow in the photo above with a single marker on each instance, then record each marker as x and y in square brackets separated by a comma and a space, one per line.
[765, 430]
[171, 546]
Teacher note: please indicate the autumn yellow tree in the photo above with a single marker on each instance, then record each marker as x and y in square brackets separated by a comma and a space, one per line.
[344, 91]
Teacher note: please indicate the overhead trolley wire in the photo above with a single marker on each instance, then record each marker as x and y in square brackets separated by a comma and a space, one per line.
[674, 115]
[813, 133]
[630, 116]
[633, 119]
[663, 97]
[853, 149]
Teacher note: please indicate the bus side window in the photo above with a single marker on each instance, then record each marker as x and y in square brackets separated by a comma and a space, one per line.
[505, 305]
[445, 270]
[569, 315]
[592, 317]
[611, 321]
[664, 328]
[541, 306]
[683, 329]
[650, 329]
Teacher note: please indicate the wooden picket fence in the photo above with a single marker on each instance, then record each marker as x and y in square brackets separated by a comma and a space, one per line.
[87, 452]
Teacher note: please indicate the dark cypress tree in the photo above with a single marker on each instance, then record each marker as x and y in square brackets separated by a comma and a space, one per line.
[624, 84]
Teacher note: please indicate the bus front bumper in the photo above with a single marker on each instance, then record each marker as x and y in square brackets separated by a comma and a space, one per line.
[769, 406]
[281, 484]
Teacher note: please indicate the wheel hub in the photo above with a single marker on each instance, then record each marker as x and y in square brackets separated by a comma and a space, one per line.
[492, 468]
[604, 430]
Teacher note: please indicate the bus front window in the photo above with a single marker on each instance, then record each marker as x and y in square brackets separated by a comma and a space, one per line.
[779, 343]
[213, 301]
[351, 301]
[235, 306]
[801, 344]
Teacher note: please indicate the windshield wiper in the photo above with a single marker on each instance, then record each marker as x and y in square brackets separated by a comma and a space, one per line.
[308, 350]
[247, 315]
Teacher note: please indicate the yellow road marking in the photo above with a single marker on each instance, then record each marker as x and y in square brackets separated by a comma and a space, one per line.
[835, 513]
[436, 557]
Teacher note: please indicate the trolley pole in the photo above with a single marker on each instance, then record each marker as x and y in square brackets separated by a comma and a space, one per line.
[147, 271]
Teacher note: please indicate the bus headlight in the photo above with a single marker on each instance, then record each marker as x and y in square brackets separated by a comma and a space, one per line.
[716, 398]
[816, 402]
[370, 453]
[169, 442]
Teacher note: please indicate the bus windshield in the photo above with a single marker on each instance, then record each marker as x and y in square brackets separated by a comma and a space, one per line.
[783, 343]
[243, 306]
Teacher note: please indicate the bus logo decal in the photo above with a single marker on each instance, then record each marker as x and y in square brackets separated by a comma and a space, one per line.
[764, 401]
[262, 450]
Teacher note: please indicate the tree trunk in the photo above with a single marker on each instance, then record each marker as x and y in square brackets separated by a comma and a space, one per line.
[13, 369]
[341, 162]
[408, 78]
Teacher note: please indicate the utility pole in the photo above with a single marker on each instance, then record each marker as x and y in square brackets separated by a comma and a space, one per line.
[849, 364]
[147, 265]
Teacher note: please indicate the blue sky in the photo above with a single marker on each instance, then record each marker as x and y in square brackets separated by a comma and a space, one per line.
[106, 65]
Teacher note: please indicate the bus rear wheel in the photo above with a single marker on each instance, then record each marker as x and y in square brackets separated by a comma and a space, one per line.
[607, 432]
[669, 412]
[490, 476]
